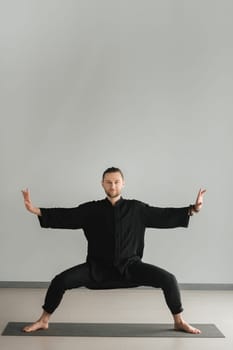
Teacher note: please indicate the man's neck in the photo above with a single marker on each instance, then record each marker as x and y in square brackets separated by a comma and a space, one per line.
[114, 199]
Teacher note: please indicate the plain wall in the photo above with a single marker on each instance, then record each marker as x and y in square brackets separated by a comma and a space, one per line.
[142, 85]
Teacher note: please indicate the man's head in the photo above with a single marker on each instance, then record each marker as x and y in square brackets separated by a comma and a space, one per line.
[113, 182]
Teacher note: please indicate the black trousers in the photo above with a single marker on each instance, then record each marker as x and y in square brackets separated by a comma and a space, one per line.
[136, 274]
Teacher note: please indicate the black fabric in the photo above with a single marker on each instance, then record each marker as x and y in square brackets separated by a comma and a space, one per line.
[115, 234]
[136, 274]
[153, 276]
[80, 276]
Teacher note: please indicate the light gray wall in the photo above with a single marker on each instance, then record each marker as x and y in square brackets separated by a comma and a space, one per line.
[143, 85]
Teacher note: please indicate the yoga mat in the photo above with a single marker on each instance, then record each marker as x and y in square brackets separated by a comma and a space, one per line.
[112, 330]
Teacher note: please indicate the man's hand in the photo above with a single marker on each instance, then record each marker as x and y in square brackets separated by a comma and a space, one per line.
[28, 203]
[199, 200]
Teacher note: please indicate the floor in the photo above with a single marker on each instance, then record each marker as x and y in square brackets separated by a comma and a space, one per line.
[122, 305]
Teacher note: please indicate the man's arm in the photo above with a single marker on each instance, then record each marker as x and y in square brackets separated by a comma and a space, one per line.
[28, 203]
[66, 218]
[155, 217]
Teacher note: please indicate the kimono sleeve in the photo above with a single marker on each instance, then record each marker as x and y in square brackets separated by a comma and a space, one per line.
[156, 217]
[64, 218]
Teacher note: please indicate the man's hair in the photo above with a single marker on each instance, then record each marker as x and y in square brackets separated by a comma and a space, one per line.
[112, 170]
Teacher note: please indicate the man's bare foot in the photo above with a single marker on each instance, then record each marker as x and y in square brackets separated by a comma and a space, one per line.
[42, 323]
[185, 327]
[36, 326]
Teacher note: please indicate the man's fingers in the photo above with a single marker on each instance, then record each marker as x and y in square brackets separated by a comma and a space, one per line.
[202, 191]
[26, 195]
[199, 200]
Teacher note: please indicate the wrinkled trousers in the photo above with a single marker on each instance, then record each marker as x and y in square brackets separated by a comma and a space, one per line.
[136, 274]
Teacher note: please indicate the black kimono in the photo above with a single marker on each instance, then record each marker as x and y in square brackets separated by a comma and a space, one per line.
[115, 236]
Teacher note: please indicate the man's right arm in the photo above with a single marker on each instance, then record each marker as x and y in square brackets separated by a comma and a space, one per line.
[69, 218]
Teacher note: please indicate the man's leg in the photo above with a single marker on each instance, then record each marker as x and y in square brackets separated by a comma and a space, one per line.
[75, 277]
[149, 275]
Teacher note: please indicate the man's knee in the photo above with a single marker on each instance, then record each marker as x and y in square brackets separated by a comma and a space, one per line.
[170, 280]
[60, 282]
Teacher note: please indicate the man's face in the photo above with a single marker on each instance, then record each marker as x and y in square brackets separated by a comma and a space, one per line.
[113, 184]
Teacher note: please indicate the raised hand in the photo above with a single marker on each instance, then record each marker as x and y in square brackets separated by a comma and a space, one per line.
[28, 203]
[199, 201]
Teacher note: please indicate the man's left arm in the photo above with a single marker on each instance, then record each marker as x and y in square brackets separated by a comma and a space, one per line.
[155, 217]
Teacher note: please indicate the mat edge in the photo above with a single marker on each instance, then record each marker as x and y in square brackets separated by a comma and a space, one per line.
[220, 335]
[183, 286]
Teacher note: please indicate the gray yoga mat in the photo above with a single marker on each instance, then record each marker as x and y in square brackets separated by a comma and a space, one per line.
[112, 330]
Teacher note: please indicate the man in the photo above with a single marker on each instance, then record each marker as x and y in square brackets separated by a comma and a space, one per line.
[114, 228]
